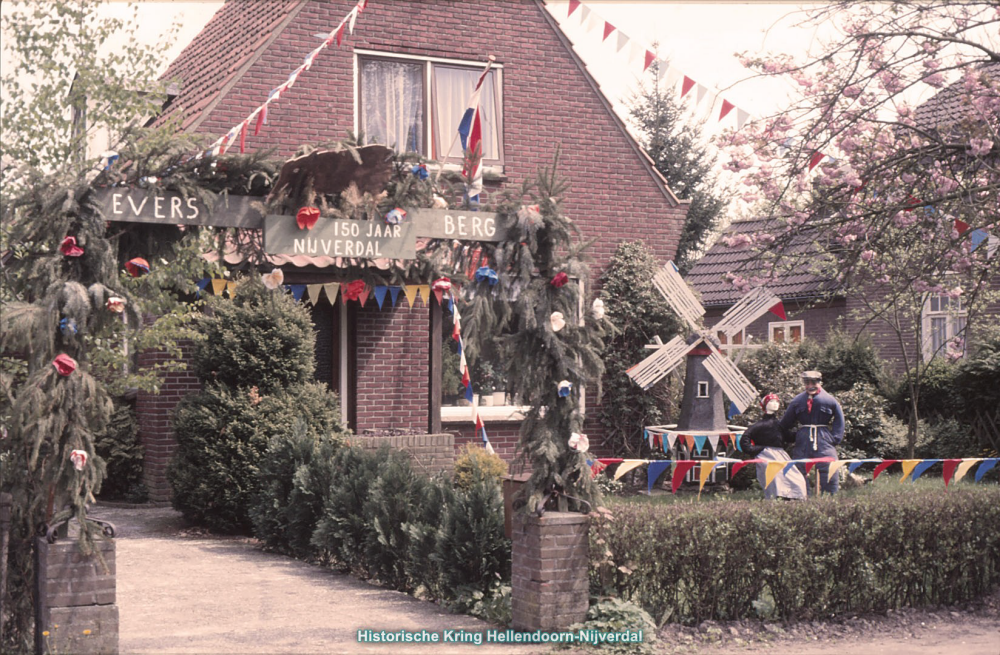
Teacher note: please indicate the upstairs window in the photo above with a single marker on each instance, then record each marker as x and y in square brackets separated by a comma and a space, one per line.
[416, 105]
[943, 320]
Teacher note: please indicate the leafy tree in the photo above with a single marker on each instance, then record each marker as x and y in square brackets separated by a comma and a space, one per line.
[681, 153]
[883, 190]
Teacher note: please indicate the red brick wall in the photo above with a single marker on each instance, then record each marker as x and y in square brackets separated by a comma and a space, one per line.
[155, 415]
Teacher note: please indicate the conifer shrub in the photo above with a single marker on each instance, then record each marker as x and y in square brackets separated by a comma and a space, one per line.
[122, 451]
[475, 462]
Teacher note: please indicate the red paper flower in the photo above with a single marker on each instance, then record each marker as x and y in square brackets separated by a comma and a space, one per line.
[69, 248]
[353, 290]
[441, 284]
[560, 279]
[115, 304]
[137, 266]
[307, 217]
[64, 364]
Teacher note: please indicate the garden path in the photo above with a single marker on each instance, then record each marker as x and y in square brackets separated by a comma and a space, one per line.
[182, 591]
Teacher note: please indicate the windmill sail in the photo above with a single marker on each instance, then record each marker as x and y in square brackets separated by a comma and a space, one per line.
[731, 379]
[655, 367]
[750, 307]
[669, 282]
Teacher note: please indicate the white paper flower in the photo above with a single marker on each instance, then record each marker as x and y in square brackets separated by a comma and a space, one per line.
[116, 304]
[439, 202]
[597, 309]
[579, 442]
[79, 459]
[558, 321]
[274, 279]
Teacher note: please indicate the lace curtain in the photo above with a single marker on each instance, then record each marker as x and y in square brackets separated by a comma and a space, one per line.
[392, 104]
[452, 89]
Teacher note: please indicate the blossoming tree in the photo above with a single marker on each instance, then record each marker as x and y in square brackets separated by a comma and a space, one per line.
[891, 196]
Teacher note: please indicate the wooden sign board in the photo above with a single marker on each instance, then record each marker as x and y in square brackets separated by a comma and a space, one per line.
[340, 238]
[139, 206]
[457, 224]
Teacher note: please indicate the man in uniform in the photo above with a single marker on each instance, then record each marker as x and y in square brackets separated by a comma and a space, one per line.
[820, 422]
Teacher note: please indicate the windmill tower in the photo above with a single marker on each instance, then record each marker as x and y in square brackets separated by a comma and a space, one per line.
[709, 372]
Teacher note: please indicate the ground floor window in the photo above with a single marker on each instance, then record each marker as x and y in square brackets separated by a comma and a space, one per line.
[943, 324]
[786, 331]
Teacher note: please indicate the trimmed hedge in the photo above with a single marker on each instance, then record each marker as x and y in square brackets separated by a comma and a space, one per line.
[802, 560]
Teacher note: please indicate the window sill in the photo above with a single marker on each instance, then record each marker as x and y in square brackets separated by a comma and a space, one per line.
[495, 414]
[494, 172]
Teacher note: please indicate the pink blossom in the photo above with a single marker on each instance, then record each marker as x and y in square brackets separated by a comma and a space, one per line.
[738, 241]
[979, 147]
[853, 91]
[867, 255]
[936, 80]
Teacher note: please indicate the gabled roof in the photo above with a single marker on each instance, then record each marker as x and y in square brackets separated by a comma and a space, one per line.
[708, 275]
[951, 105]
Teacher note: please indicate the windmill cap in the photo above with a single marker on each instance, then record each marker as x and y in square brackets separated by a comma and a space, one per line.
[812, 375]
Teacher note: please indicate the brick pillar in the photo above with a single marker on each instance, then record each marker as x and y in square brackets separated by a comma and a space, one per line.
[550, 561]
[154, 412]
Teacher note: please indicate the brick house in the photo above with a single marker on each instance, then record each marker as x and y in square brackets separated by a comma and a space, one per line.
[399, 79]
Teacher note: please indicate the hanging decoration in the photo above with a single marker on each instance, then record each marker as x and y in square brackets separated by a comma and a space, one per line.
[115, 304]
[395, 216]
[69, 248]
[67, 326]
[352, 290]
[274, 279]
[579, 442]
[441, 286]
[597, 309]
[64, 364]
[487, 274]
[306, 218]
[420, 171]
[560, 279]
[565, 387]
[137, 266]
[558, 321]
[79, 459]
[530, 214]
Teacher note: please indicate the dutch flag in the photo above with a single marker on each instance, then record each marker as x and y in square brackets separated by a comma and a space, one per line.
[471, 132]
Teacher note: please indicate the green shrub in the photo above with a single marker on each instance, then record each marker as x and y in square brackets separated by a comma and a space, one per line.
[492, 606]
[867, 553]
[614, 615]
[222, 437]
[845, 361]
[259, 338]
[869, 430]
[474, 461]
[294, 473]
[122, 451]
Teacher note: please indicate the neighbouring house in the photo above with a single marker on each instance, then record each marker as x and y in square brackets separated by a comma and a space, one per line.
[403, 79]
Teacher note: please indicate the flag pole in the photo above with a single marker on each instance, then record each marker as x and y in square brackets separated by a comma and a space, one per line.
[489, 63]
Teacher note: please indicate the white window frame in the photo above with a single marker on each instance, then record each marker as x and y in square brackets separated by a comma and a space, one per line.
[787, 325]
[360, 53]
[955, 324]
[732, 349]
[702, 384]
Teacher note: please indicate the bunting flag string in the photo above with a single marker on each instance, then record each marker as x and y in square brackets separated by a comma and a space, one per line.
[314, 292]
[259, 115]
[954, 469]
[590, 21]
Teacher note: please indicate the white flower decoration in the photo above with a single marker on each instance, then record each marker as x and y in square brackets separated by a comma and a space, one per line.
[597, 309]
[274, 279]
[579, 442]
[558, 321]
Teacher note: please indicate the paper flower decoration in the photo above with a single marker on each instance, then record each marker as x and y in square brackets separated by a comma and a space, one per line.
[145, 182]
[420, 170]
[560, 280]
[530, 213]
[564, 388]
[441, 284]
[352, 290]
[579, 442]
[137, 266]
[597, 309]
[487, 274]
[558, 321]
[115, 304]
[307, 217]
[396, 216]
[439, 202]
[79, 459]
[69, 248]
[64, 364]
[67, 326]
[274, 279]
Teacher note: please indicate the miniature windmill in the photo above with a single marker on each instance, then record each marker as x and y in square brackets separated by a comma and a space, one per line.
[709, 372]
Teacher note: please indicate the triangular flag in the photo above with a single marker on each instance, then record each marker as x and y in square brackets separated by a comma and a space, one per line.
[739, 465]
[332, 289]
[790, 465]
[584, 16]
[961, 227]
[908, 466]
[985, 467]
[622, 40]
[689, 442]
[261, 119]
[816, 460]
[634, 51]
[231, 288]
[680, 470]
[608, 29]
[977, 237]
[713, 441]
[425, 291]
[298, 290]
[733, 411]
[725, 440]
[834, 467]
[353, 15]
[886, 463]
[218, 286]
[741, 118]
[949, 470]
[700, 92]
[699, 443]
[628, 465]
[314, 290]
[671, 439]
[394, 295]
[573, 4]
[593, 20]
[687, 85]
[816, 158]
[669, 75]
[992, 245]
[737, 438]
[340, 34]
[439, 294]
[655, 470]
[856, 464]
[202, 284]
[773, 468]
[964, 467]
[726, 108]
[705, 473]
[779, 310]
[650, 57]
[410, 291]
[363, 298]
[647, 437]
[380, 292]
[921, 467]
[243, 136]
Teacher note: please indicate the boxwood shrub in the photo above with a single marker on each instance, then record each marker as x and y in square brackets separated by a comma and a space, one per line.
[802, 560]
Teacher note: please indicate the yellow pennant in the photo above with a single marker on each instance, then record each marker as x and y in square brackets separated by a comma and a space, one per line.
[964, 467]
[231, 288]
[706, 472]
[908, 466]
[314, 290]
[331, 288]
[836, 466]
[627, 466]
[411, 293]
[773, 468]
[218, 287]
[425, 291]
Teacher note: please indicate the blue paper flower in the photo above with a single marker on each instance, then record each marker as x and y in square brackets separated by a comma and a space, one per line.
[420, 171]
[395, 217]
[487, 274]
[67, 326]
[564, 388]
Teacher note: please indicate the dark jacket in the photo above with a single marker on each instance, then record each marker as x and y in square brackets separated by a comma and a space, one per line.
[765, 433]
